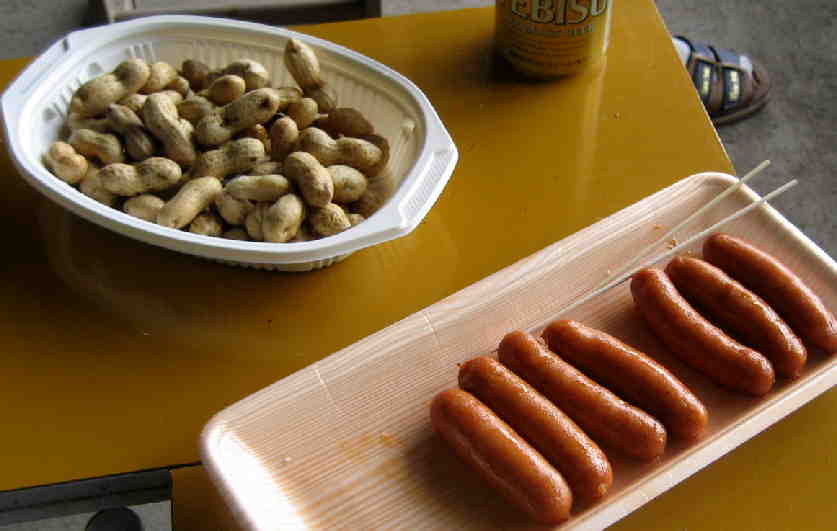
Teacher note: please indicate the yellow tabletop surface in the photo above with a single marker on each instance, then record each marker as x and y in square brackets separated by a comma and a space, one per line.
[116, 353]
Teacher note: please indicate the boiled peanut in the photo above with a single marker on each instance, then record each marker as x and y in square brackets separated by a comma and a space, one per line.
[226, 89]
[258, 132]
[189, 201]
[303, 112]
[269, 167]
[152, 174]
[281, 220]
[161, 118]
[258, 187]
[370, 202]
[382, 144]
[347, 122]
[161, 74]
[233, 210]
[93, 97]
[349, 183]
[66, 163]
[236, 156]
[329, 220]
[92, 187]
[181, 86]
[207, 224]
[138, 142]
[173, 95]
[145, 206]
[103, 146]
[302, 63]
[195, 107]
[134, 101]
[254, 220]
[312, 179]
[196, 73]
[325, 98]
[283, 136]
[355, 152]
[77, 121]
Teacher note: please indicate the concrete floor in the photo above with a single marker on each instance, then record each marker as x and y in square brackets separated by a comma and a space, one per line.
[796, 41]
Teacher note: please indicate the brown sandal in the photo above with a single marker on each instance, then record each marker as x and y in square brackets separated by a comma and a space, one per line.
[728, 92]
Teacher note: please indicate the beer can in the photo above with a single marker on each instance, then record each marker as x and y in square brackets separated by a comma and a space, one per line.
[553, 38]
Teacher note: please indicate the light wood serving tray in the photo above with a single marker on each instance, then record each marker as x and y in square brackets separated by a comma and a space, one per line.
[347, 443]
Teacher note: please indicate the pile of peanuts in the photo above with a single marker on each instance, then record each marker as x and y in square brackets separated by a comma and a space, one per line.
[220, 152]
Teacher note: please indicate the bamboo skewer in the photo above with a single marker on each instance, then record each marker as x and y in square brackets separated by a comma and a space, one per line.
[730, 189]
[625, 276]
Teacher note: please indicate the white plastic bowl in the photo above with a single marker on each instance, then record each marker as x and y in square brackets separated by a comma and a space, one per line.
[423, 156]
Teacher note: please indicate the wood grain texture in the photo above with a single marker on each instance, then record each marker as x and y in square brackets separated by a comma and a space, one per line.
[347, 443]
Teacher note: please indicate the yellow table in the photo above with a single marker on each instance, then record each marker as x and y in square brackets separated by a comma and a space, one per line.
[115, 353]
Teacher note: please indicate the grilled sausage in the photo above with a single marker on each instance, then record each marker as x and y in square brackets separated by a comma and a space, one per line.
[738, 311]
[630, 374]
[500, 456]
[695, 340]
[605, 417]
[542, 424]
[779, 286]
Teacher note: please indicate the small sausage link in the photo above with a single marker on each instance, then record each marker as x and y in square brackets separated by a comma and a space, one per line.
[739, 312]
[792, 299]
[500, 456]
[695, 340]
[548, 429]
[606, 418]
[630, 374]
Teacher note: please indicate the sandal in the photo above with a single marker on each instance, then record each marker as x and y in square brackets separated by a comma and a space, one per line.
[728, 91]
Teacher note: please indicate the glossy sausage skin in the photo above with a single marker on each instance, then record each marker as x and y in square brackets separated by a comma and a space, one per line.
[541, 424]
[500, 456]
[740, 312]
[630, 374]
[695, 340]
[779, 286]
[606, 418]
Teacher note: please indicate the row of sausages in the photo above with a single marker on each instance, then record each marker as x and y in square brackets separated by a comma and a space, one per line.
[531, 423]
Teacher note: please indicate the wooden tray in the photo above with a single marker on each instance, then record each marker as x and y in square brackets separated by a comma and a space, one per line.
[347, 442]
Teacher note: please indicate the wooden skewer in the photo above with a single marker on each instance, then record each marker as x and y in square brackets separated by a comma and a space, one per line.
[730, 189]
[625, 276]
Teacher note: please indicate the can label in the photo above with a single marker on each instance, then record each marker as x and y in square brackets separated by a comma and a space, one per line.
[547, 38]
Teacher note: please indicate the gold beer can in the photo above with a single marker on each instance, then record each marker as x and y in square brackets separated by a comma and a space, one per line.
[552, 38]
